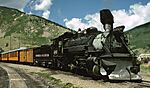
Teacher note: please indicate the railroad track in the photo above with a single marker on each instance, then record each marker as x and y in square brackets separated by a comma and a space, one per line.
[3, 78]
[18, 79]
[77, 80]
[15, 80]
[144, 84]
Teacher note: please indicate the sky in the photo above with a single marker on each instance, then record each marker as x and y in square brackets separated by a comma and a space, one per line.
[82, 14]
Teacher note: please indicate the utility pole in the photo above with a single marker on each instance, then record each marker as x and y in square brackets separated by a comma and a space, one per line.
[10, 42]
[19, 38]
[19, 41]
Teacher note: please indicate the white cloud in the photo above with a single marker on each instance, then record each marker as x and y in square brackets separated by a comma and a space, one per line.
[94, 20]
[30, 13]
[91, 20]
[18, 4]
[38, 5]
[44, 5]
[136, 15]
[75, 23]
[46, 14]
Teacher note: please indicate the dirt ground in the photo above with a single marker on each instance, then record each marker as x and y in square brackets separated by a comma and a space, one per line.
[77, 80]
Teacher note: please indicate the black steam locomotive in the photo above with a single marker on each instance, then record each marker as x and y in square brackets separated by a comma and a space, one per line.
[90, 52]
[97, 53]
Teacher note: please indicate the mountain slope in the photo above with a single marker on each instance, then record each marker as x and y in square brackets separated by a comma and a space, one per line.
[18, 29]
[140, 38]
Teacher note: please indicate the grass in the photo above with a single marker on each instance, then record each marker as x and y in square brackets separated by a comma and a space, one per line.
[139, 38]
[145, 69]
[28, 29]
[54, 81]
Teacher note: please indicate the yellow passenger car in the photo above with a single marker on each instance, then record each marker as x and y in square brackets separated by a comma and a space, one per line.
[4, 56]
[26, 55]
[29, 55]
[0, 58]
[23, 56]
[13, 56]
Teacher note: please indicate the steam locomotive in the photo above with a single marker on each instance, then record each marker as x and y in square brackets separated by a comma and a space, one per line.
[92, 52]
[98, 53]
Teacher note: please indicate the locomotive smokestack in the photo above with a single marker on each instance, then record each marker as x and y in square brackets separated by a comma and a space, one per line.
[107, 19]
